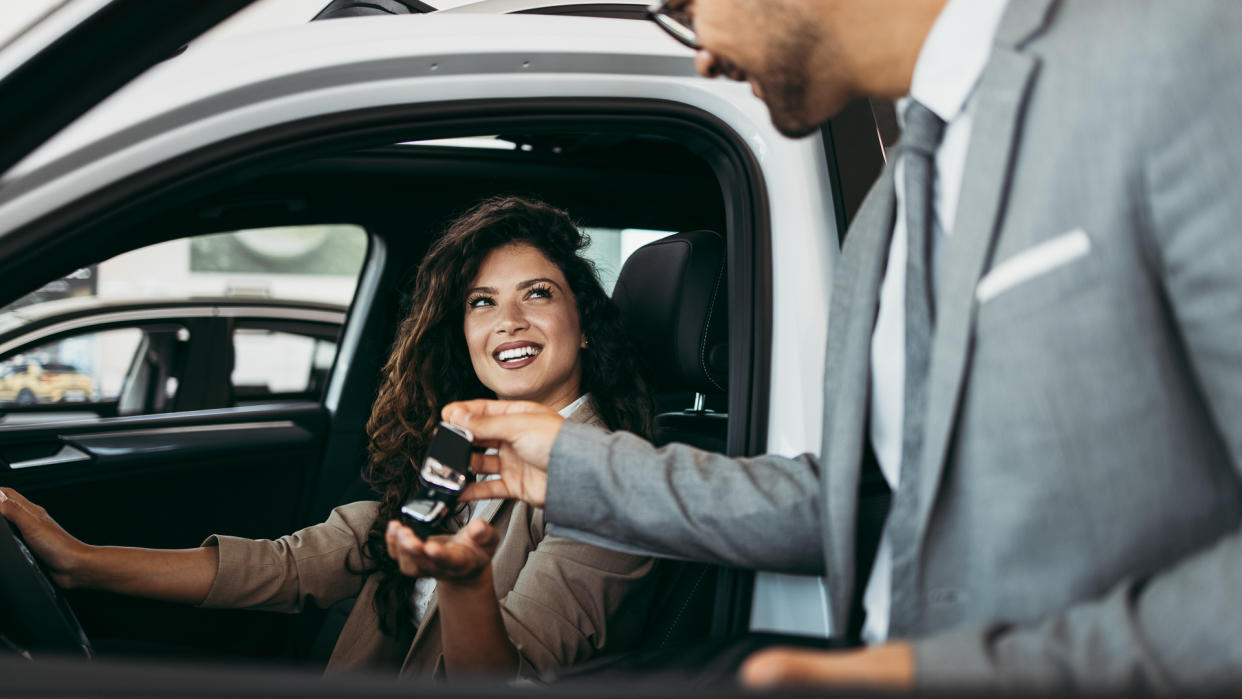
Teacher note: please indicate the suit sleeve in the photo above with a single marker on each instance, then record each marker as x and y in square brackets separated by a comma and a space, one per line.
[1179, 628]
[619, 491]
[287, 574]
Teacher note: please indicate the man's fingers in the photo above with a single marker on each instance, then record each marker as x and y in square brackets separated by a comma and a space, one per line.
[484, 463]
[492, 427]
[485, 490]
[463, 411]
[784, 667]
[888, 666]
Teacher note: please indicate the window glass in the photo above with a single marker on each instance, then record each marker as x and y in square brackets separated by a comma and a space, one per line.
[85, 368]
[611, 247]
[270, 361]
[162, 302]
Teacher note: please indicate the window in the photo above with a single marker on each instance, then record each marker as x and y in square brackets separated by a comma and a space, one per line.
[611, 247]
[86, 368]
[269, 363]
[209, 321]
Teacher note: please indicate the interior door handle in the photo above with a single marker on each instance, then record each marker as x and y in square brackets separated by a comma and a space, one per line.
[68, 454]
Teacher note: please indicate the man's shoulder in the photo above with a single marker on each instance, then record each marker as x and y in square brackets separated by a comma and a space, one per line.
[1108, 27]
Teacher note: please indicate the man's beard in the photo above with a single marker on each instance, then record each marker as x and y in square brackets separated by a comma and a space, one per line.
[786, 101]
[784, 86]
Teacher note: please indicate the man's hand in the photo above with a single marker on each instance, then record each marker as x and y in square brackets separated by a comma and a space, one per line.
[522, 434]
[889, 666]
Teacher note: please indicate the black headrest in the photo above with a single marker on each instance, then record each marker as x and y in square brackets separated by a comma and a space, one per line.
[672, 298]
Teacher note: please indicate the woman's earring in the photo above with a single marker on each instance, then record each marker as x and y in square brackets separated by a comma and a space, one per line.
[585, 342]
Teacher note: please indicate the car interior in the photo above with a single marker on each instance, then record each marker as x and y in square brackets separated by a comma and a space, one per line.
[695, 302]
[266, 469]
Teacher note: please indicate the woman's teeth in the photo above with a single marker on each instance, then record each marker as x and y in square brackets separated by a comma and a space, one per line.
[517, 353]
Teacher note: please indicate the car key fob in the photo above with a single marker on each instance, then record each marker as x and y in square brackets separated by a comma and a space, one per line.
[444, 473]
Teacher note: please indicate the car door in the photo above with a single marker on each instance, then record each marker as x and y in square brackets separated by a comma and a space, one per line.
[160, 479]
[82, 52]
[196, 418]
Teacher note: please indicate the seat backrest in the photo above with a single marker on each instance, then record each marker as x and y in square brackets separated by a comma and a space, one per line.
[672, 294]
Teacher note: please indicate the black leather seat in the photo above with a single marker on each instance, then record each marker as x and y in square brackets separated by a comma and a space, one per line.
[673, 301]
[673, 298]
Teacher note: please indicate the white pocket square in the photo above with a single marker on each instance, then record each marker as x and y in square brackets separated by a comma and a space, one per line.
[1031, 263]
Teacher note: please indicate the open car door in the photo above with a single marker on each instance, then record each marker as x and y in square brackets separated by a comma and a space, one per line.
[81, 52]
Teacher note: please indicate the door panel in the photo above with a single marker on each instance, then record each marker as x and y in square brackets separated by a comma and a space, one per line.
[168, 481]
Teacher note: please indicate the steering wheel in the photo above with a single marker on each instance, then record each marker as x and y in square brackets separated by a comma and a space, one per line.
[33, 613]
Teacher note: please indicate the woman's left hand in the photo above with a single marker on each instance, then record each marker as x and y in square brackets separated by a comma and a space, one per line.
[459, 557]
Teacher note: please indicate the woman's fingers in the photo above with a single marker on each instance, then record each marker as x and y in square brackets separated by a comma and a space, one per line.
[406, 549]
[8, 505]
[483, 536]
[443, 557]
[17, 509]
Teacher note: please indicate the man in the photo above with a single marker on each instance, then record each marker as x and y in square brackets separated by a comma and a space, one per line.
[1035, 337]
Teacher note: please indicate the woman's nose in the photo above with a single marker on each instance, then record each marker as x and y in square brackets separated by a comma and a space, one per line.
[511, 318]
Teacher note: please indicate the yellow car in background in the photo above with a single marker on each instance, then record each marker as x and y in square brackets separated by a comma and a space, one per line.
[30, 382]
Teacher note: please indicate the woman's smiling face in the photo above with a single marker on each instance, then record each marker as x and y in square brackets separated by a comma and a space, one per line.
[522, 328]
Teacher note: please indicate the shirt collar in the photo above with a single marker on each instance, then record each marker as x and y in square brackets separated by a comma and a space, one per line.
[573, 407]
[954, 55]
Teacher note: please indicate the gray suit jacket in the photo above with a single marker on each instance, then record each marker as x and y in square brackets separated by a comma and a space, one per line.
[1080, 494]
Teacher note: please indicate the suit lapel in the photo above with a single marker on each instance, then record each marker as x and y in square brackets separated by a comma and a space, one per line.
[855, 301]
[998, 108]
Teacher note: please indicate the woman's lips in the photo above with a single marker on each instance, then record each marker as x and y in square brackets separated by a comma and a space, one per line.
[515, 355]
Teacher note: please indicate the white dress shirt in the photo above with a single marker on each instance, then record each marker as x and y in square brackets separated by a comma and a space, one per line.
[479, 509]
[948, 68]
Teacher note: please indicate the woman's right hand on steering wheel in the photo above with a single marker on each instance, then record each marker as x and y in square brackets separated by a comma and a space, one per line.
[56, 548]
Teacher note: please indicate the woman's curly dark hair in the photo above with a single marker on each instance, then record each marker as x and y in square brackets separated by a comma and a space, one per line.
[430, 366]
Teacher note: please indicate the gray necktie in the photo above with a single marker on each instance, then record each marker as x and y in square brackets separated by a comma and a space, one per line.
[920, 139]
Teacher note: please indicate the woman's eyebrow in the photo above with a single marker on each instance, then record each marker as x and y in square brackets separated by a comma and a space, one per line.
[481, 290]
[541, 280]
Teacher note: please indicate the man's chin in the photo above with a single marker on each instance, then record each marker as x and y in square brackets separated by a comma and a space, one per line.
[791, 128]
[788, 118]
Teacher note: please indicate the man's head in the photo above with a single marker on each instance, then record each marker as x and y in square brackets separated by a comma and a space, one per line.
[807, 58]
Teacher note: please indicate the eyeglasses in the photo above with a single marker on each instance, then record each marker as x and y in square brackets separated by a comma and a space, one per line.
[677, 21]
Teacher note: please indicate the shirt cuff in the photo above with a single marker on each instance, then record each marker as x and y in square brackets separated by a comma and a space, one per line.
[229, 558]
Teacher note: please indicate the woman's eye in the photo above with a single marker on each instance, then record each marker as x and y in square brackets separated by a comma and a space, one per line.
[478, 302]
[540, 292]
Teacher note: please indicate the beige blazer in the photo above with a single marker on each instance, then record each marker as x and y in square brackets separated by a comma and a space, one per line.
[562, 601]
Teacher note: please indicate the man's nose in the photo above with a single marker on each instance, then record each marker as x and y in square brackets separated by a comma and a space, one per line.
[706, 63]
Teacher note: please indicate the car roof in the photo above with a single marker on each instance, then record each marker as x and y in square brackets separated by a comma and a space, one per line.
[231, 65]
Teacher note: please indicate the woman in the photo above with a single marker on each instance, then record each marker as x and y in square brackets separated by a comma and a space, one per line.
[504, 306]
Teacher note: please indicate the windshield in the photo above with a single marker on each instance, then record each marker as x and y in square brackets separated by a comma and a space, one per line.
[17, 18]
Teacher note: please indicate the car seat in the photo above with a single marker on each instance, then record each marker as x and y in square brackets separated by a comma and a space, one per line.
[672, 294]
[673, 298]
